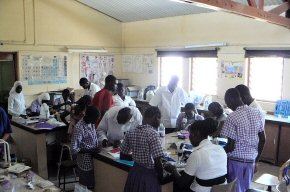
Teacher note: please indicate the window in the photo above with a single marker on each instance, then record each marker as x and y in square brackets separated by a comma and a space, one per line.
[204, 76]
[170, 66]
[195, 73]
[266, 72]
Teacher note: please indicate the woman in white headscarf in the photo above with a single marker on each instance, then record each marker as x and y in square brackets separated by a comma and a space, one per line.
[16, 101]
[36, 104]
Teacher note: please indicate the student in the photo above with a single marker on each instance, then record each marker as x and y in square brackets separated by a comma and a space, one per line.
[169, 99]
[207, 164]
[103, 100]
[187, 117]
[84, 144]
[147, 152]
[244, 128]
[90, 88]
[16, 101]
[5, 128]
[216, 112]
[120, 99]
[63, 106]
[36, 104]
[116, 122]
[63, 103]
[78, 112]
[247, 97]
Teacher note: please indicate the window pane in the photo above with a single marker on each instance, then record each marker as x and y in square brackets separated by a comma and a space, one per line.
[204, 76]
[171, 66]
[264, 73]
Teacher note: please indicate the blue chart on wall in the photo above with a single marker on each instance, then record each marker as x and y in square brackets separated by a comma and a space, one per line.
[44, 69]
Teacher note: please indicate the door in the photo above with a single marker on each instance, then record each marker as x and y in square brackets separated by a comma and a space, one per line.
[7, 76]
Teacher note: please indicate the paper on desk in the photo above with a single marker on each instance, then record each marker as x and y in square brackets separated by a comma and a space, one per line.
[18, 168]
[44, 183]
[114, 155]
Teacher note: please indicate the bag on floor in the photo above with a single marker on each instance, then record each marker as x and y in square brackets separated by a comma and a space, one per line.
[81, 188]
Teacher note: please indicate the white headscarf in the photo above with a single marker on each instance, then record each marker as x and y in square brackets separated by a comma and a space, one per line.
[43, 96]
[17, 99]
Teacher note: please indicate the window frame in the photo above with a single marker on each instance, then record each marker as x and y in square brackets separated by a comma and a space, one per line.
[249, 73]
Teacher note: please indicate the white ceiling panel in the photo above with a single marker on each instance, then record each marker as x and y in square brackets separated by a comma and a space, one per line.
[137, 10]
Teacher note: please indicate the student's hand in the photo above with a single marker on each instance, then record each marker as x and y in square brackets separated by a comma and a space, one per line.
[105, 143]
[169, 167]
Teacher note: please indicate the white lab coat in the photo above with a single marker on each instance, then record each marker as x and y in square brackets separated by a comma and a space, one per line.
[92, 90]
[110, 129]
[118, 101]
[169, 104]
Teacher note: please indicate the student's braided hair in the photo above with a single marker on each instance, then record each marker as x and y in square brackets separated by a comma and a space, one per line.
[204, 127]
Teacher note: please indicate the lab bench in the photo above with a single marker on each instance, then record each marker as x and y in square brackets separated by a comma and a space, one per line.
[31, 143]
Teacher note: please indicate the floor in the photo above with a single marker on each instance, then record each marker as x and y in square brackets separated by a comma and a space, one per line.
[263, 168]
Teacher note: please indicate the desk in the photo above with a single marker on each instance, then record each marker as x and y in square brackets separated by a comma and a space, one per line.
[111, 175]
[30, 143]
[19, 184]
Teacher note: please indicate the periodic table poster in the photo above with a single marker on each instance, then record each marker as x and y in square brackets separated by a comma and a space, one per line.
[96, 67]
[44, 69]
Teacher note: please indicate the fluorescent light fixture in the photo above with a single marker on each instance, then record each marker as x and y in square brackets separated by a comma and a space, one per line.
[206, 45]
[87, 50]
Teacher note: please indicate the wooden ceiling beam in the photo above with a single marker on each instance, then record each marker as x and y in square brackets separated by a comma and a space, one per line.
[241, 9]
[280, 8]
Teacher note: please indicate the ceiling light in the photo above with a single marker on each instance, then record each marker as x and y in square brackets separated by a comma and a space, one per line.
[206, 45]
[87, 50]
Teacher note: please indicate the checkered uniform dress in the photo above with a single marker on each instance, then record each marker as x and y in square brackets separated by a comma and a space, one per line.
[145, 145]
[84, 137]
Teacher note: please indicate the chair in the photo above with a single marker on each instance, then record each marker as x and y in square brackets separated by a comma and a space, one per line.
[66, 165]
[63, 166]
[268, 180]
[229, 187]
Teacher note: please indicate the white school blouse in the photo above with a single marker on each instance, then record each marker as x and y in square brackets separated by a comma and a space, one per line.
[207, 161]
[92, 90]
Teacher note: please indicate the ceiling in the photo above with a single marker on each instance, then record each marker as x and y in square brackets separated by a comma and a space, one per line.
[138, 10]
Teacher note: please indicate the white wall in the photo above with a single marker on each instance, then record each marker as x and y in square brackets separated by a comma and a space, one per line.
[237, 31]
[48, 27]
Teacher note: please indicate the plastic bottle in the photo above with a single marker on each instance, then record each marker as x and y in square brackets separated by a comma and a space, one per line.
[161, 130]
[183, 123]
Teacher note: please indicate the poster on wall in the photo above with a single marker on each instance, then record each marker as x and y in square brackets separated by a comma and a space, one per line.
[96, 67]
[44, 69]
[138, 64]
[231, 69]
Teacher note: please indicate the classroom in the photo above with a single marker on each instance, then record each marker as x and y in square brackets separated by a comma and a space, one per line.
[145, 44]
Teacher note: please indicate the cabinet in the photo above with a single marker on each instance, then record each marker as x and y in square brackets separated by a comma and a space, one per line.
[270, 150]
[284, 145]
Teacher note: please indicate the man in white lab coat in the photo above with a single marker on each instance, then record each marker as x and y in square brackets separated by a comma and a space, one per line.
[116, 122]
[169, 100]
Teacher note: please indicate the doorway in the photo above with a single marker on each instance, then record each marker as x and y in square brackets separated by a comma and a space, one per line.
[8, 75]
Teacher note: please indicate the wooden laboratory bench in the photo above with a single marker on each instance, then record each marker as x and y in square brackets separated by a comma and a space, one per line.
[31, 143]
[111, 175]
[276, 150]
